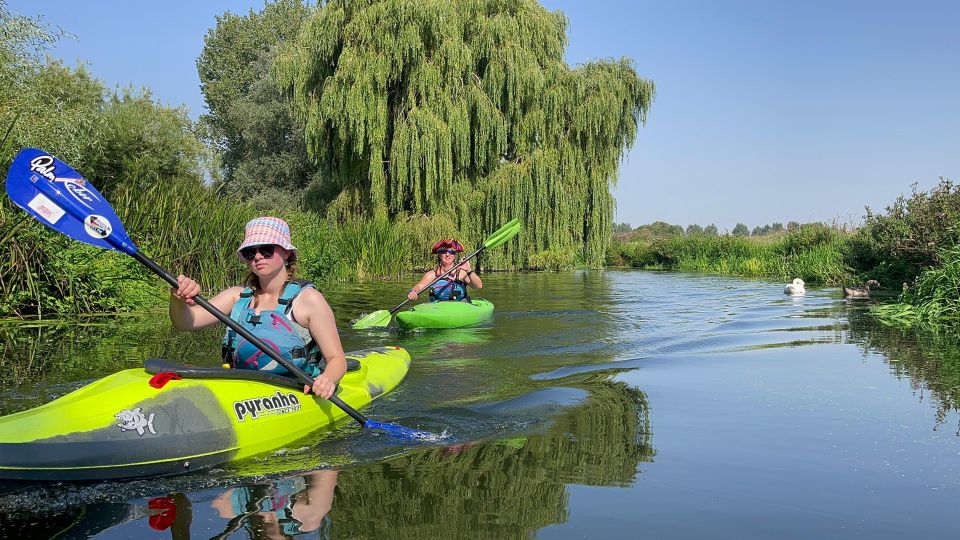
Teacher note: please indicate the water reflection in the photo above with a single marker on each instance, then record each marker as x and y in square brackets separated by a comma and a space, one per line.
[449, 343]
[280, 509]
[930, 361]
[505, 487]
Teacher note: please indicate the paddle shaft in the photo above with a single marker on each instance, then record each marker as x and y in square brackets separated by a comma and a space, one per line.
[235, 326]
[438, 278]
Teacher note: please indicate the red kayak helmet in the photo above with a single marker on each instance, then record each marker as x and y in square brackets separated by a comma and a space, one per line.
[447, 243]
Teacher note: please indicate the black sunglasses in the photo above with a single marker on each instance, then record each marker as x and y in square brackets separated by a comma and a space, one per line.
[266, 250]
[447, 251]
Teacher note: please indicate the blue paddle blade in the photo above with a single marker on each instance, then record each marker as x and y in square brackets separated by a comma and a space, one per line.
[404, 432]
[62, 199]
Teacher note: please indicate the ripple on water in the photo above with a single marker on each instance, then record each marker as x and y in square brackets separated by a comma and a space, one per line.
[564, 400]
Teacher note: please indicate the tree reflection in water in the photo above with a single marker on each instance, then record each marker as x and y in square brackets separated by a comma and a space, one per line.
[929, 360]
[500, 488]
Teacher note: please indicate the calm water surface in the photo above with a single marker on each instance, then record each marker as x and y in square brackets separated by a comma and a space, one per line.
[620, 404]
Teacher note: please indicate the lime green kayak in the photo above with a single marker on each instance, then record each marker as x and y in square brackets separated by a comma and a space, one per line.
[446, 314]
[168, 418]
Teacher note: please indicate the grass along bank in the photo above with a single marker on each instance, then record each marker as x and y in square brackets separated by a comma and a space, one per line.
[813, 252]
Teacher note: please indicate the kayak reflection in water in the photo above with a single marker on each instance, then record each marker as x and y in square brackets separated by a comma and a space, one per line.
[281, 509]
[452, 286]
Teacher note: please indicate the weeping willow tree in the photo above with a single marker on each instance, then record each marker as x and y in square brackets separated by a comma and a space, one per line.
[465, 107]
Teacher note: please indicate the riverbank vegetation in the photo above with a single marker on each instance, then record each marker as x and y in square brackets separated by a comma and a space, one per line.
[813, 251]
[916, 243]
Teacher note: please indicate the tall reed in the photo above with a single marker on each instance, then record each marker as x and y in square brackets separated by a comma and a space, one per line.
[188, 228]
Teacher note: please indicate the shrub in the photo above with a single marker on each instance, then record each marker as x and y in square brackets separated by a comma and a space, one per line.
[806, 237]
[910, 237]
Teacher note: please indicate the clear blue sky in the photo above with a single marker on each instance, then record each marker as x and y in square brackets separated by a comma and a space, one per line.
[766, 110]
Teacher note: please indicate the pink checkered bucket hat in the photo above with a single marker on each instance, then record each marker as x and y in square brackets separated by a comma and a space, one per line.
[267, 230]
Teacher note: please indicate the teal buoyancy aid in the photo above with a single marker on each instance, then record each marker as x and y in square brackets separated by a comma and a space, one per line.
[274, 327]
[448, 289]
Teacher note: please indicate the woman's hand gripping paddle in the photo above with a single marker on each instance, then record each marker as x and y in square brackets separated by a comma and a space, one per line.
[60, 198]
[382, 317]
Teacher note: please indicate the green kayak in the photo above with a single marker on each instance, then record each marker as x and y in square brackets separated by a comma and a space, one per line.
[446, 314]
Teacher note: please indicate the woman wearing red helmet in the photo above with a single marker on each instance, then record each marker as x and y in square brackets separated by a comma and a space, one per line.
[453, 285]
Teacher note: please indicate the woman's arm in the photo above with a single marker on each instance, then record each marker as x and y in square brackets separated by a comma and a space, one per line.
[186, 315]
[313, 312]
[468, 276]
[418, 288]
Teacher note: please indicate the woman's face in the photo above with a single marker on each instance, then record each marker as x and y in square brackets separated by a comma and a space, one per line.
[265, 260]
[447, 256]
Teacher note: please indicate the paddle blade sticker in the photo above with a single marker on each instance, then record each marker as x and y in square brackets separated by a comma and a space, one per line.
[59, 197]
[46, 209]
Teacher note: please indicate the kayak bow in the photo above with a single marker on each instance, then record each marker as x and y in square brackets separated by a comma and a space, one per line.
[446, 314]
[169, 418]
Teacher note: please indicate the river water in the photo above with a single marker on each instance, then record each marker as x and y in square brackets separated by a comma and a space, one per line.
[616, 403]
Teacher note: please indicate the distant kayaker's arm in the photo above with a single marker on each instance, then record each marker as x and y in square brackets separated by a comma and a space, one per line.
[470, 277]
[185, 315]
[312, 311]
[418, 288]
[473, 280]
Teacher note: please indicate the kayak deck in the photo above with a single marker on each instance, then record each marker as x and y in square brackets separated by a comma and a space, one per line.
[446, 314]
[122, 426]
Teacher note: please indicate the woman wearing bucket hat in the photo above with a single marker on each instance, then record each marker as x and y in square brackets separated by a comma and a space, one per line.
[453, 285]
[287, 313]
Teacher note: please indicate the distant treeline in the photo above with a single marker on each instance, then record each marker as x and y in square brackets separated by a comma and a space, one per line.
[813, 251]
[662, 229]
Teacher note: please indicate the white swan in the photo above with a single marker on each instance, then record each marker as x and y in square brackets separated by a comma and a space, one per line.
[795, 288]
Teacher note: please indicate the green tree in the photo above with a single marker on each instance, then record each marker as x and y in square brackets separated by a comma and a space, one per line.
[694, 229]
[658, 230]
[139, 142]
[740, 229]
[67, 100]
[467, 108]
[123, 142]
[710, 230]
[22, 43]
[250, 121]
[911, 236]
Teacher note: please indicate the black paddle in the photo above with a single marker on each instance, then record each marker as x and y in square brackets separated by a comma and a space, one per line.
[60, 198]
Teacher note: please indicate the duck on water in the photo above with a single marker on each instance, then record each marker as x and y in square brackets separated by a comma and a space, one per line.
[860, 292]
